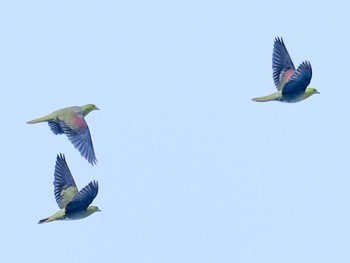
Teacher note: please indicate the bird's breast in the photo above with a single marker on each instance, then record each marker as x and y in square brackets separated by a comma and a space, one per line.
[79, 122]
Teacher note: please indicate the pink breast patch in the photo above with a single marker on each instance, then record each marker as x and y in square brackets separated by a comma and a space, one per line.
[79, 122]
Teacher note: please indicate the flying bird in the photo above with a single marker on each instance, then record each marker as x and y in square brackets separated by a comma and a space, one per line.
[291, 83]
[74, 205]
[71, 122]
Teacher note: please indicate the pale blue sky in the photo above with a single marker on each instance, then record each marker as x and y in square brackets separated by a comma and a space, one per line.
[190, 169]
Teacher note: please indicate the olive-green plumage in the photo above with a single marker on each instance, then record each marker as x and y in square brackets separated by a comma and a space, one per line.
[291, 83]
[74, 205]
[71, 122]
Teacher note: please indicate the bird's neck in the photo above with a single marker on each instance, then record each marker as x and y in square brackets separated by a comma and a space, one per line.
[85, 110]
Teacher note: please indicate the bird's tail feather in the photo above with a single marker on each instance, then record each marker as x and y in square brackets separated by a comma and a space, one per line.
[42, 119]
[45, 220]
[57, 216]
[49, 219]
[271, 97]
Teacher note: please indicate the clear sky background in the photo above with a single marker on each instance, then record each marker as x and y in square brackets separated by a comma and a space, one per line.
[189, 168]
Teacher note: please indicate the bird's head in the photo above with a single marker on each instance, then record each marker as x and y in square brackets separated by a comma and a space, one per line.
[86, 109]
[92, 209]
[312, 91]
[309, 92]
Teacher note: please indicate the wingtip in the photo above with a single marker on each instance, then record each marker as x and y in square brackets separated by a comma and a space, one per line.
[278, 44]
[60, 159]
[61, 156]
[93, 162]
[306, 63]
[279, 38]
[94, 183]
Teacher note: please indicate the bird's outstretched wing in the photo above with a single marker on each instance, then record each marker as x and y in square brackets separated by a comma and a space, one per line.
[281, 63]
[298, 82]
[83, 199]
[80, 137]
[65, 187]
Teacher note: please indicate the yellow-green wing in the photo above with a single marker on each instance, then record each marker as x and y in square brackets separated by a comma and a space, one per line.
[65, 187]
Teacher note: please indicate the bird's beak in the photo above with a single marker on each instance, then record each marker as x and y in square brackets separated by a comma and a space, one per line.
[98, 210]
[97, 108]
[318, 92]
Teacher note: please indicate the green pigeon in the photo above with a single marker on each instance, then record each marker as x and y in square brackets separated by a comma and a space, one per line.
[71, 122]
[291, 83]
[74, 205]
